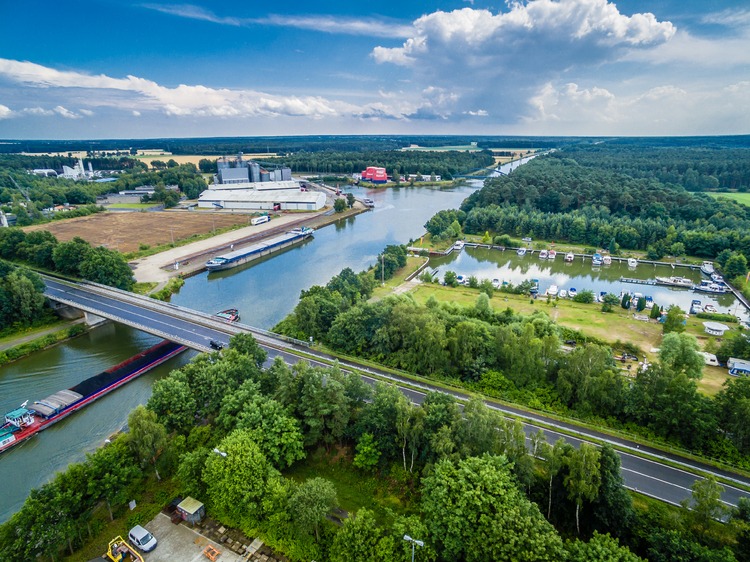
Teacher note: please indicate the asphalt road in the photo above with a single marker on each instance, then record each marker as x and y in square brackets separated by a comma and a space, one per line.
[649, 477]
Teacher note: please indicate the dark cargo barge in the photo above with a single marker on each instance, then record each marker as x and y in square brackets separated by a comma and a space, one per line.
[23, 423]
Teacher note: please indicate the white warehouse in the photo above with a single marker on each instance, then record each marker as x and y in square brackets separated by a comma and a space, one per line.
[282, 199]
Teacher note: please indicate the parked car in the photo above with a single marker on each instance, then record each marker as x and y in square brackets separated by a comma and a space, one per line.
[527, 239]
[142, 539]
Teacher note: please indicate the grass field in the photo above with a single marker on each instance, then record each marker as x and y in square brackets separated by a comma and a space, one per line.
[743, 198]
[129, 230]
[399, 277]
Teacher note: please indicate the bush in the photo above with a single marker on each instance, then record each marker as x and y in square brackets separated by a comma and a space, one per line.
[716, 316]
[584, 296]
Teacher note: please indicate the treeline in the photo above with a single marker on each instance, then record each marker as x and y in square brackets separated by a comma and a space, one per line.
[518, 357]
[77, 257]
[22, 297]
[224, 430]
[22, 162]
[694, 168]
[560, 200]
[444, 164]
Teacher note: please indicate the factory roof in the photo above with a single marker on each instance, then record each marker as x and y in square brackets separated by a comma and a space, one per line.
[258, 185]
[251, 195]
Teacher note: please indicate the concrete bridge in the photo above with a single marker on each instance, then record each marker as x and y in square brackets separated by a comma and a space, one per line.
[652, 476]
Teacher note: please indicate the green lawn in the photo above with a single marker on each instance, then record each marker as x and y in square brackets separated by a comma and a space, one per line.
[132, 205]
[743, 198]
[355, 489]
[399, 277]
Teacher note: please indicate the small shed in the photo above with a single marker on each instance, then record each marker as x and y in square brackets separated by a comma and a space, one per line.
[191, 510]
[715, 328]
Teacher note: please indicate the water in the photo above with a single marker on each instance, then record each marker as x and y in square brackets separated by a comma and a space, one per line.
[34, 462]
[508, 266]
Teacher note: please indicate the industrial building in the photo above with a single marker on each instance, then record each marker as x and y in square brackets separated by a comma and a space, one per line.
[237, 170]
[374, 175]
[257, 186]
[268, 200]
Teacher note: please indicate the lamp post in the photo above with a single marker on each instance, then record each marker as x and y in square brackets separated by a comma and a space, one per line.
[171, 231]
[220, 453]
[413, 542]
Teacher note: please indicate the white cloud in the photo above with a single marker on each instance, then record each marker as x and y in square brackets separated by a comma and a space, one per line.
[86, 112]
[136, 113]
[65, 113]
[5, 112]
[728, 18]
[371, 27]
[479, 113]
[37, 111]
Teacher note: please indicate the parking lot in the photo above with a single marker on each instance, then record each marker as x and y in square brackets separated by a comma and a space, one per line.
[179, 542]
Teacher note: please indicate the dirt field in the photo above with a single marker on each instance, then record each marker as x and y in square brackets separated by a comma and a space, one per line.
[132, 229]
[148, 156]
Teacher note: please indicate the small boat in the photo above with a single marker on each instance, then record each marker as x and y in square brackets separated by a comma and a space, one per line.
[543, 255]
[675, 282]
[596, 260]
[534, 286]
[229, 315]
[716, 278]
[707, 268]
[570, 256]
[602, 294]
[696, 309]
[563, 293]
[696, 302]
[572, 292]
[496, 283]
[710, 287]
[649, 303]
[368, 203]
[551, 255]
[607, 260]
[552, 291]
[459, 245]
[460, 278]
[709, 308]
[521, 252]
[632, 262]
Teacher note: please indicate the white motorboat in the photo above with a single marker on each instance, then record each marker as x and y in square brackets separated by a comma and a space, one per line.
[707, 268]
[632, 262]
[572, 292]
[543, 255]
[570, 256]
[563, 293]
[552, 255]
[709, 308]
[521, 252]
[552, 291]
[607, 260]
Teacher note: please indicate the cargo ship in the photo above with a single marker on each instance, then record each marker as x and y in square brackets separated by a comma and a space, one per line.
[238, 257]
[23, 423]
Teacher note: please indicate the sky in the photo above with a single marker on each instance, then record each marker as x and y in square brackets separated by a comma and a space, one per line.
[116, 69]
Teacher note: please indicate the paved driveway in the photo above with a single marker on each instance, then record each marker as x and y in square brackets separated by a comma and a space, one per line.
[180, 543]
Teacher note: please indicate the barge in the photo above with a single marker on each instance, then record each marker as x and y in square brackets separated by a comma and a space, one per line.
[23, 423]
[239, 257]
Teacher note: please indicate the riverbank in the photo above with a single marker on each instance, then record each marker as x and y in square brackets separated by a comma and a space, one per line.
[13, 353]
[36, 333]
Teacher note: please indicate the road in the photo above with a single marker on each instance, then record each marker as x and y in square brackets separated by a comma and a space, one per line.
[647, 476]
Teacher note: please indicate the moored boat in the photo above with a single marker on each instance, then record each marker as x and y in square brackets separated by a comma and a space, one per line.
[572, 292]
[675, 282]
[709, 308]
[632, 262]
[607, 260]
[570, 256]
[551, 255]
[229, 315]
[710, 287]
[245, 255]
[552, 291]
[596, 260]
[563, 293]
[543, 255]
[521, 252]
[707, 268]
[534, 286]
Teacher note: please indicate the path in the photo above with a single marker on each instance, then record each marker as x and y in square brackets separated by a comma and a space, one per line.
[31, 337]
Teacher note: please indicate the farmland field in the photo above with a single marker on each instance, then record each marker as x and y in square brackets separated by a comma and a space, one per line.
[129, 230]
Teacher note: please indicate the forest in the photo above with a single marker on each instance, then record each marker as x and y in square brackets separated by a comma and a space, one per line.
[694, 168]
[556, 198]
[462, 481]
[444, 164]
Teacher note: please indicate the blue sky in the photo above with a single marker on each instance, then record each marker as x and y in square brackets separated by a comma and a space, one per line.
[117, 69]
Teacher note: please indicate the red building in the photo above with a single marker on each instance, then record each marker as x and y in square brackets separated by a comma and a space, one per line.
[374, 175]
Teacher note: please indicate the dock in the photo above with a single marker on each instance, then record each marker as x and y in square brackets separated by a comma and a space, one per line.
[643, 281]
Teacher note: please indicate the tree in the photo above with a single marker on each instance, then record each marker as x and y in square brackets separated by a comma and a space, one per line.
[190, 472]
[173, 401]
[474, 511]
[556, 457]
[586, 296]
[108, 268]
[583, 478]
[246, 344]
[68, 256]
[236, 483]
[641, 304]
[207, 166]
[367, 453]
[339, 205]
[681, 353]
[707, 504]
[450, 279]
[601, 548]
[113, 468]
[733, 404]
[735, 266]
[655, 312]
[675, 320]
[21, 297]
[350, 199]
[358, 540]
[277, 434]
[146, 436]
[171, 163]
[672, 546]
[310, 503]
[612, 510]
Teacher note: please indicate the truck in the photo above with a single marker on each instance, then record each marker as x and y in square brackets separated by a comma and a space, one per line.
[120, 551]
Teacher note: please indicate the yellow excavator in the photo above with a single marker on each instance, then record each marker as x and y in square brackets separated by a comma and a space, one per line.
[121, 551]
